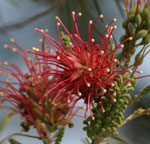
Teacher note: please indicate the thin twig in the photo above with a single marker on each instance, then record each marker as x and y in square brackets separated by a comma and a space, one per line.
[18, 134]
[139, 112]
[28, 20]
[99, 141]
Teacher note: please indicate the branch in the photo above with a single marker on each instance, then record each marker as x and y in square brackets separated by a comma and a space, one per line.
[18, 134]
[28, 20]
[139, 112]
[99, 141]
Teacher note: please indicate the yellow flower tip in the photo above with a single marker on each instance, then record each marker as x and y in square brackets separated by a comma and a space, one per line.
[6, 80]
[108, 70]
[80, 14]
[106, 35]
[52, 103]
[129, 84]
[130, 71]
[45, 95]
[101, 16]
[68, 101]
[27, 96]
[83, 107]
[130, 38]
[14, 49]
[114, 100]
[106, 26]
[58, 57]
[115, 19]
[112, 84]
[36, 29]
[104, 90]
[122, 46]
[55, 104]
[56, 17]
[125, 9]
[50, 50]
[93, 40]
[1, 94]
[115, 27]
[73, 12]
[58, 24]
[88, 84]
[103, 110]
[93, 118]
[115, 60]
[40, 40]
[89, 69]
[5, 63]
[70, 117]
[34, 48]
[40, 102]
[79, 94]
[12, 40]
[29, 59]
[102, 52]
[5, 46]
[114, 94]
[76, 35]
[141, 72]
[88, 110]
[90, 22]
[46, 30]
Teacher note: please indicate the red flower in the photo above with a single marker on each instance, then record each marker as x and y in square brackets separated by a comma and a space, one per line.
[26, 94]
[87, 70]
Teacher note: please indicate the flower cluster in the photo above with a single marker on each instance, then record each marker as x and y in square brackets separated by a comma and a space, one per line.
[85, 70]
[73, 70]
[26, 94]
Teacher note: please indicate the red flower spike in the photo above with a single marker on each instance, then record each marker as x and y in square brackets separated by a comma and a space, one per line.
[26, 94]
[87, 70]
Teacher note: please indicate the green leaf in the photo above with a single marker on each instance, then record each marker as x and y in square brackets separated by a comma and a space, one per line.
[5, 120]
[13, 141]
[97, 7]
[118, 3]
[85, 141]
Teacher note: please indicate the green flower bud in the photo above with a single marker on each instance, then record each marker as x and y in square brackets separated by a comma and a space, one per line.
[132, 11]
[132, 18]
[146, 13]
[130, 89]
[142, 33]
[138, 19]
[116, 133]
[133, 81]
[13, 141]
[131, 28]
[146, 24]
[146, 39]
[139, 59]
[103, 130]
[125, 24]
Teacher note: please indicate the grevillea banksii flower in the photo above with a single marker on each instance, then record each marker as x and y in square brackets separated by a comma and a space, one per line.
[26, 92]
[87, 70]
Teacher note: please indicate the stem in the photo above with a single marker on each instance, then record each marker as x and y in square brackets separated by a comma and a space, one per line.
[18, 134]
[139, 112]
[107, 140]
